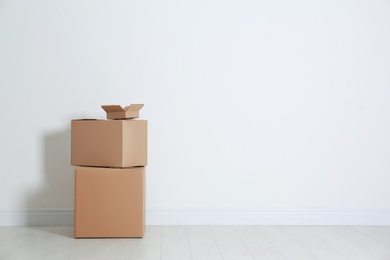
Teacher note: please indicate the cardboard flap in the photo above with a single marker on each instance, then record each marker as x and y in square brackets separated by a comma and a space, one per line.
[112, 108]
[134, 107]
[117, 112]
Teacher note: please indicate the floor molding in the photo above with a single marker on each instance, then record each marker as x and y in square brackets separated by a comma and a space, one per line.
[36, 217]
[60, 216]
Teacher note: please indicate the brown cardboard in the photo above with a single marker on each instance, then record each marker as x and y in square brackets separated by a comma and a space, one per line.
[109, 143]
[109, 202]
[117, 112]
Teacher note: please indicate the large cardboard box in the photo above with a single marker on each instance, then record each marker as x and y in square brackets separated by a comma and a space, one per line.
[109, 202]
[109, 143]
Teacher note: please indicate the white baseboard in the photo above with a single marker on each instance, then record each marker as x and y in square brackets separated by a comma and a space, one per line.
[268, 217]
[64, 217]
[36, 217]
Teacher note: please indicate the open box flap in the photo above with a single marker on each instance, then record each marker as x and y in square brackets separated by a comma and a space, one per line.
[134, 107]
[112, 108]
[117, 112]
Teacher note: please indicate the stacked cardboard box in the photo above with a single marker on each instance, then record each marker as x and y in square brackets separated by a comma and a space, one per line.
[111, 156]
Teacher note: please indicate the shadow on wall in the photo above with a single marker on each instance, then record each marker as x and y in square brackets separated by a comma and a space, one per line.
[52, 203]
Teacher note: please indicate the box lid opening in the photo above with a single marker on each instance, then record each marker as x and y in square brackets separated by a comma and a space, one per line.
[117, 112]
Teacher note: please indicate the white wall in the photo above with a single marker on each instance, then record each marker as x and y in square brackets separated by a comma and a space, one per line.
[251, 104]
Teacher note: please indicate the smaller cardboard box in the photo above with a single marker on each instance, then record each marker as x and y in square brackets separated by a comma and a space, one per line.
[109, 143]
[117, 112]
[109, 202]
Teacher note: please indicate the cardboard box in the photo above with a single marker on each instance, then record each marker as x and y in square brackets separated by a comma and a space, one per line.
[109, 202]
[117, 112]
[109, 143]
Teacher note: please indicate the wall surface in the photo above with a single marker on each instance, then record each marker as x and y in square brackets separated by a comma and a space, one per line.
[252, 105]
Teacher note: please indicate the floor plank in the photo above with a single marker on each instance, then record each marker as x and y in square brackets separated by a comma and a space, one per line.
[313, 244]
[11, 237]
[14, 239]
[287, 245]
[230, 244]
[148, 248]
[375, 248]
[61, 246]
[258, 245]
[32, 243]
[341, 244]
[202, 243]
[96, 248]
[379, 233]
[174, 244]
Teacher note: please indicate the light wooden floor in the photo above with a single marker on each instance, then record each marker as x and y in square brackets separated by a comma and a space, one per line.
[203, 243]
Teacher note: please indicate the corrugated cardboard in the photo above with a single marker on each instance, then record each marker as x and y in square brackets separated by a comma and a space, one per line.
[117, 112]
[109, 202]
[109, 143]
